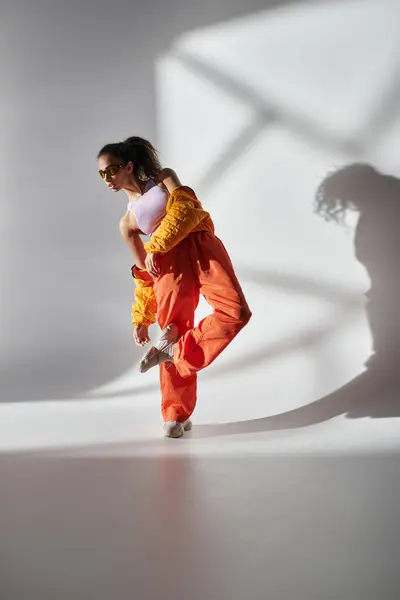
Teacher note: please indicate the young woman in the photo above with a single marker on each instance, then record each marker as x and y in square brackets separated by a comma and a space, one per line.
[182, 259]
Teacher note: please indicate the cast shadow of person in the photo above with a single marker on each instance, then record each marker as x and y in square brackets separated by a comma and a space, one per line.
[376, 197]
[376, 391]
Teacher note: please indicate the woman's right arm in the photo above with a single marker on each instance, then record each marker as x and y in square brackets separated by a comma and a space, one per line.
[130, 234]
[144, 308]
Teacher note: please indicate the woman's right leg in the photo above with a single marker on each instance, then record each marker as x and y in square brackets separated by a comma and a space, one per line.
[201, 345]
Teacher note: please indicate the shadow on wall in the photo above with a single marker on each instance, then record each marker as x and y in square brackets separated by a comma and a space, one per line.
[376, 392]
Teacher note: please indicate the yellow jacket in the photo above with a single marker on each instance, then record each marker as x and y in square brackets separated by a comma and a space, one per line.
[184, 215]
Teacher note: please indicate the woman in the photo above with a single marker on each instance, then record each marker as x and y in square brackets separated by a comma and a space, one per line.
[182, 259]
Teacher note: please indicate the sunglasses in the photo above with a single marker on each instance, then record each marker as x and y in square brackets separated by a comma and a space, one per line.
[111, 170]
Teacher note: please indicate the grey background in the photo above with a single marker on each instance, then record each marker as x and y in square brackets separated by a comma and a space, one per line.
[74, 75]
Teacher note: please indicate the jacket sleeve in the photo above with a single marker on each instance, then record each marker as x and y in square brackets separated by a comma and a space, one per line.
[144, 309]
[184, 213]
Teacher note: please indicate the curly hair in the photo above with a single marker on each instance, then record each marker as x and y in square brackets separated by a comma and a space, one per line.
[141, 152]
[342, 189]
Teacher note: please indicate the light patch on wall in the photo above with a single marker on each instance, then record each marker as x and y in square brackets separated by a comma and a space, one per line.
[253, 113]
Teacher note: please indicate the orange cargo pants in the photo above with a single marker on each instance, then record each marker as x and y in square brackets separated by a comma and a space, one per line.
[199, 264]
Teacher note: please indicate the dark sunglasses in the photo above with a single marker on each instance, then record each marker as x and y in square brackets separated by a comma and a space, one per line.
[111, 170]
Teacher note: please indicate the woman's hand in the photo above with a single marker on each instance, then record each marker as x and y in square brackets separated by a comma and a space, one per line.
[141, 335]
[151, 267]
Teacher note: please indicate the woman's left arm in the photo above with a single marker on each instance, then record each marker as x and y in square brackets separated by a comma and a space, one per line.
[169, 180]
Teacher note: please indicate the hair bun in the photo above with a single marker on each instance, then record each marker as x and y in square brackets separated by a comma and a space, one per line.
[134, 140]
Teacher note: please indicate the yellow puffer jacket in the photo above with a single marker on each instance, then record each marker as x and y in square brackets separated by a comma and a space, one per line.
[184, 215]
[144, 308]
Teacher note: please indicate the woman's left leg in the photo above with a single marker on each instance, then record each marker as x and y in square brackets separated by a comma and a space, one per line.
[177, 294]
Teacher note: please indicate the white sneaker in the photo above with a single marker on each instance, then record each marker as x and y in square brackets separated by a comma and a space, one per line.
[162, 351]
[175, 429]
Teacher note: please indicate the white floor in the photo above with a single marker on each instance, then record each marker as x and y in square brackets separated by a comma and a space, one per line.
[180, 526]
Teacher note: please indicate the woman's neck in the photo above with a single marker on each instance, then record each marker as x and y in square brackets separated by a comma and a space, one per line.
[136, 190]
[133, 196]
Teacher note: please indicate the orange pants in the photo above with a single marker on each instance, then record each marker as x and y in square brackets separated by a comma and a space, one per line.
[197, 265]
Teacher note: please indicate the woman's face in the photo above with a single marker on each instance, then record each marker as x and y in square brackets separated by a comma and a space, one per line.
[116, 174]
